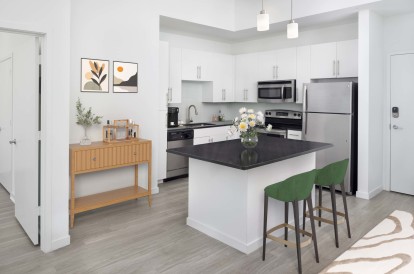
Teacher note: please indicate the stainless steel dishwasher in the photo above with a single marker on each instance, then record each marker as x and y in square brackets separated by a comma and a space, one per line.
[178, 165]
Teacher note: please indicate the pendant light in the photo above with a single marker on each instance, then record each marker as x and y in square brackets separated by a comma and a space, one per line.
[262, 20]
[292, 27]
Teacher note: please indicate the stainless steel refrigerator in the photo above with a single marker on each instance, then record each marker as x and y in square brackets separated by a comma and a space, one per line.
[330, 116]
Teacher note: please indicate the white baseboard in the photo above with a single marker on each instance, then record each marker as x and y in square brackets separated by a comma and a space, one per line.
[369, 195]
[59, 243]
[155, 190]
[242, 247]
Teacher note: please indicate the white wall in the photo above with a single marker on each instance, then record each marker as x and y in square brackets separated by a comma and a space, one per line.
[370, 105]
[398, 37]
[306, 37]
[279, 10]
[54, 22]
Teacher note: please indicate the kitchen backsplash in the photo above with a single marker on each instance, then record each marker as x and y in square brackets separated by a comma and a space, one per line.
[192, 95]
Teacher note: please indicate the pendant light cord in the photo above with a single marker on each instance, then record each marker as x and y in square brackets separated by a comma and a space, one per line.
[291, 10]
[262, 5]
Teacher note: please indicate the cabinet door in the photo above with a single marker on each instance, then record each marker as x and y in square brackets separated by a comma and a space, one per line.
[164, 76]
[246, 70]
[286, 64]
[190, 65]
[302, 71]
[224, 79]
[207, 65]
[323, 61]
[347, 59]
[267, 65]
[175, 76]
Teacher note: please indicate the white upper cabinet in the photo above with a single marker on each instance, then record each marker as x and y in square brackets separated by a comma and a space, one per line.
[347, 58]
[197, 65]
[303, 71]
[246, 71]
[223, 79]
[277, 64]
[174, 90]
[334, 60]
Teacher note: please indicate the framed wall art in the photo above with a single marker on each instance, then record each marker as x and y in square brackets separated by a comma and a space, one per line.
[94, 75]
[125, 77]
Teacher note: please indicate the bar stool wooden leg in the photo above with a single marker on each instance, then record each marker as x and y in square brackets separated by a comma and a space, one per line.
[320, 205]
[335, 217]
[304, 217]
[286, 220]
[266, 199]
[345, 209]
[312, 221]
[296, 216]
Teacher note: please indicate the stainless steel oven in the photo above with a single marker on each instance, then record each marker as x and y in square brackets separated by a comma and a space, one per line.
[282, 121]
[277, 91]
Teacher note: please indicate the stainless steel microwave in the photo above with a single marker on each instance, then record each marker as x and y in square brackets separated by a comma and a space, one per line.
[277, 91]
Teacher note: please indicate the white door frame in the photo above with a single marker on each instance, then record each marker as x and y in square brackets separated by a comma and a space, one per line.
[46, 155]
[387, 125]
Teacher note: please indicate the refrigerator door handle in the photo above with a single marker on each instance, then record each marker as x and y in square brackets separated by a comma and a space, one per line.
[305, 123]
[305, 94]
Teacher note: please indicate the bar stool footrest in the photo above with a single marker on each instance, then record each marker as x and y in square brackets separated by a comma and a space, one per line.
[317, 218]
[285, 242]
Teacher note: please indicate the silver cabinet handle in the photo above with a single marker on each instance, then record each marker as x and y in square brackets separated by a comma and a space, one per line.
[337, 67]
[244, 94]
[277, 72]
[247, 94]
[395, 127]
[274, 72]
[224, 90]
[200, 72]
[13, 142]
[333, 68]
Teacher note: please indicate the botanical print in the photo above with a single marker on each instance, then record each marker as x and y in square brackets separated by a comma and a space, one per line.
[125, 77]
[94, 75]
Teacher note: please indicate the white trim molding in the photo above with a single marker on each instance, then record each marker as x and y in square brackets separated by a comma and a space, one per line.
[369, 195]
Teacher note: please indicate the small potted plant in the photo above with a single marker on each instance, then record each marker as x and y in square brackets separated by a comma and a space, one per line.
[86, 119]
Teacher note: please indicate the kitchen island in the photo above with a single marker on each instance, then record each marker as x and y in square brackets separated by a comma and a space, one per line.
[226, 185]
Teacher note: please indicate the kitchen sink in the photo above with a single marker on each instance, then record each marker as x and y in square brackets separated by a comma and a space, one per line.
[198, 124]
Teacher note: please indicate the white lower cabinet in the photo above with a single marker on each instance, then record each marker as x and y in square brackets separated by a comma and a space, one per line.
[294, 134]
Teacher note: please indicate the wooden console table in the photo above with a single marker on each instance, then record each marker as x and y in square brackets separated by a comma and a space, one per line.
[102, 156]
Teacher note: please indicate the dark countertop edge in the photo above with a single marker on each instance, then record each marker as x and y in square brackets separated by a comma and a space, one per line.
[253, 165]
[219, 124]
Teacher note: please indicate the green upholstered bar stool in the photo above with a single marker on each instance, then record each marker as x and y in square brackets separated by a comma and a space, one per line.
[330, 176]
[294, 189]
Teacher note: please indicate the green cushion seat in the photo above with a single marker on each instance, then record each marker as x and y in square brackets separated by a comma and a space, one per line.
[295, 188]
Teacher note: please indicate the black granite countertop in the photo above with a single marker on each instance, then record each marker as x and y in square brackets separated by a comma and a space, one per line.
[202, 125]
[233, 154]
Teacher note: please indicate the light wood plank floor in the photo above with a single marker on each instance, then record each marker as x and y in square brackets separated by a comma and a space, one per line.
[132, 238]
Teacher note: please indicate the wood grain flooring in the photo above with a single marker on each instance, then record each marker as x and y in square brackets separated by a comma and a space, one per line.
[132, 238]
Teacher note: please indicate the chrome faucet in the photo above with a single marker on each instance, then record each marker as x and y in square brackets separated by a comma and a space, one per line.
[189, 120]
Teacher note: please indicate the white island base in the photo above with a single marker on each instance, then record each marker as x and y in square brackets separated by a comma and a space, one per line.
[227, 203]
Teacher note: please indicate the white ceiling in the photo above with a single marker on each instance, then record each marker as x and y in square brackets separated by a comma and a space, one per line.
[345, 16]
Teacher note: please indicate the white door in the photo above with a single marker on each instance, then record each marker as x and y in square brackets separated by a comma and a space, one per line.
[323, 61]
[26, 126]
[347, 59]
[402, 127]
[6, 116]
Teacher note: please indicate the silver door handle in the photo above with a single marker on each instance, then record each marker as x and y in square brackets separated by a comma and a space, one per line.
[247, 94]
[200, 72]
[333, 68]
[305, 94]
[396, 127]
[277, 72]
[274, 72]
[12, 142]
[337, 67]
[224, 91]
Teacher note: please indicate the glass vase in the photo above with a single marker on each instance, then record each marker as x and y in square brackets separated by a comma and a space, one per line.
[249, 139]
[85, 140]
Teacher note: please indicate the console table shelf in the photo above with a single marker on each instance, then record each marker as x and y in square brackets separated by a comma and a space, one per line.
[103, 156]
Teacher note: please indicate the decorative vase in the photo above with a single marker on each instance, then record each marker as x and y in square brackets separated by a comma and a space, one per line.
[85, 140]
[249, 139]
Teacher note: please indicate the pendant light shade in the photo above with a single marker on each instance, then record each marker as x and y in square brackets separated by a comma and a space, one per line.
[292, 30]
[292, 27]
[262, 20]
